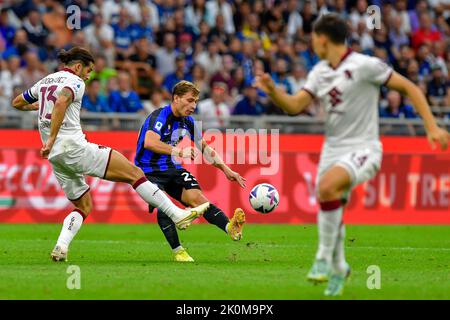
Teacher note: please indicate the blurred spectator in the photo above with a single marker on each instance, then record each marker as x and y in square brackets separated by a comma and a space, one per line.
[210, 60]
[20, 45]
[340, 8]
[93, 100]
[305, 53]
[100, 37]
[403, 16]
[308, 16]
[10, 77]
[6, 29]
[364, 37]
[414, 14]
[359, 13]
[293, 19]
[397, 36]
[249, 104]
[55, 21]
[224, 73]
[280, 76]
[102, 73]
[424, 59]
[425, 33]
[141, 66]
[214, 112]
[395, 107]
[219, 32]
[224, 9]
[165, 56]
[156, 101]
[145, 9]
[199, 79]
[33, 70]
[180, 73]
[252, 30]
[195, 13]
[123, 36]
[185, 47]
[438, 88]
[33, 26]
[124, 99]
[298, 77]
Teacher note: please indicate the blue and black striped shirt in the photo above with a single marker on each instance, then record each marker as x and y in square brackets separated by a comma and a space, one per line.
[171, 129]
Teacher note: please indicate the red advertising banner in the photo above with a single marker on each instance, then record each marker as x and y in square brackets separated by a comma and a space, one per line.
[413, 186]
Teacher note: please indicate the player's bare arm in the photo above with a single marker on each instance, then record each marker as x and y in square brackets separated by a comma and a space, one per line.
[152, 142]
[64, 99]
[292, 104]
[435, 134]
[21, 104]
[214, 158]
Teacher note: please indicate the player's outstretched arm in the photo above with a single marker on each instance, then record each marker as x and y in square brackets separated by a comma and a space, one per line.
[216, 160]
[64, 99]
[406, 87]
[21, 104]
[292, 104]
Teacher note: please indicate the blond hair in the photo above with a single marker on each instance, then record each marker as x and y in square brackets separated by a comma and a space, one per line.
[183, 87]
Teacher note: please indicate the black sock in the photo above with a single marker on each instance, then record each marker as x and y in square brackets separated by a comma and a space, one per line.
[169, 229]
[216, 216]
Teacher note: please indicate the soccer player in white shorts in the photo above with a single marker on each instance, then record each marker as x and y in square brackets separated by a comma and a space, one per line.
[58, 98]
[348, 85]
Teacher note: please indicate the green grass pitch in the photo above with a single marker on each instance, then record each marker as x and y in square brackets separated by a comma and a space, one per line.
[271, 262]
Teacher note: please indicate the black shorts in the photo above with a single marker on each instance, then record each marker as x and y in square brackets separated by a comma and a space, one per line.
[173, 182]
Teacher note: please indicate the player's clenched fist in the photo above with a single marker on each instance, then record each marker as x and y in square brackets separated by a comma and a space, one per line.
[45, 150]
[440, 136]
[264, 82]
[188, 152]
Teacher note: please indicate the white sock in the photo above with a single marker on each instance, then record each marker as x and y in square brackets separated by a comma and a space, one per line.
[329, 219]
[72, 223]
[158, 199]
[177, 249]
[339, 263]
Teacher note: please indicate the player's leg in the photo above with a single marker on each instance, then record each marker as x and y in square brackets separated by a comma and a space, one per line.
[361, 165]
[331, 187]
[120, 169]
[76, 190]
[214, 215]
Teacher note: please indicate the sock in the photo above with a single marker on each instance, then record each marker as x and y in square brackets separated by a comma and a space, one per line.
[339, 263]
[72, 223]
[169, 229]
[216, 216]
[177, 249]
[158, 199]
[329, 220]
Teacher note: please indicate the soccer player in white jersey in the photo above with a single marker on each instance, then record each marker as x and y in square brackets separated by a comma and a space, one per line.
[348, 84]
[58, 98]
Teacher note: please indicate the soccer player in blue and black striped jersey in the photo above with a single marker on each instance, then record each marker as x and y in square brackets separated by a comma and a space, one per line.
[156, 151]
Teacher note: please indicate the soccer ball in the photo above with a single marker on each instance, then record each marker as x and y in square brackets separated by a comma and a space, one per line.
[264, 198]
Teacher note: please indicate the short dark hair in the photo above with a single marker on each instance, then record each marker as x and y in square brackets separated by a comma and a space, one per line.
[76, 55]
[333, 26]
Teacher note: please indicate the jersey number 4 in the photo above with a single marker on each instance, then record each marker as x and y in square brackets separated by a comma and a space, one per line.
[50, 91]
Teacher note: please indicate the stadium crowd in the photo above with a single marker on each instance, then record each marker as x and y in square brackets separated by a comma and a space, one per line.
[144, 47]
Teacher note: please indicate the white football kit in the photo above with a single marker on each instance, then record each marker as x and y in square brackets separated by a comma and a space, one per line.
[350, 93]
[71, 156]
